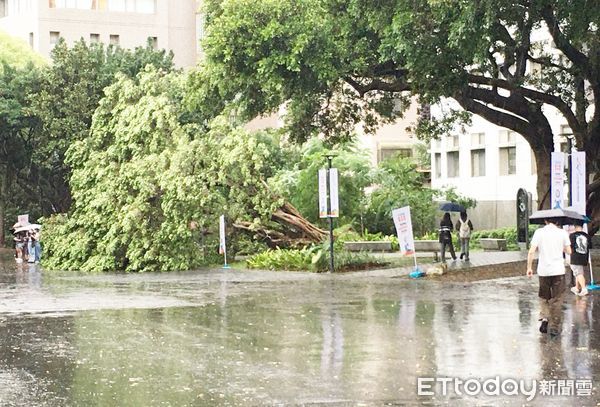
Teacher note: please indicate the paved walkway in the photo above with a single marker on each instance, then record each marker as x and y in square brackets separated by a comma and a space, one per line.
[477, 259]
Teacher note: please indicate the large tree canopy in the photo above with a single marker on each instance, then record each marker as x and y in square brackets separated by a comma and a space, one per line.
[146, 181]
[19, 77]
[336, 63]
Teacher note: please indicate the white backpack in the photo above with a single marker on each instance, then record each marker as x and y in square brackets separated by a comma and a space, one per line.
[464, 231]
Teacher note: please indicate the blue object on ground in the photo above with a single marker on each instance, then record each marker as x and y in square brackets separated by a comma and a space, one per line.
[417, 273]
[593, 287]
[226, 266]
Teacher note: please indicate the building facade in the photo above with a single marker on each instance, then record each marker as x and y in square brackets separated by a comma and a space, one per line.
[490, 164]
[168, 24]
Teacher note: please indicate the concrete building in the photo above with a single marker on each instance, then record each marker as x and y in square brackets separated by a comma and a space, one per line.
[490, 163]
[394, 138]
[169, 24]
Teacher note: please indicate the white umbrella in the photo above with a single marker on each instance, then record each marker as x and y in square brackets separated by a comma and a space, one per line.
[565, 216]
[31, 226]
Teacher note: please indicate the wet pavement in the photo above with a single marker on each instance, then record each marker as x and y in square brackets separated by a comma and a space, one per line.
[227, 337]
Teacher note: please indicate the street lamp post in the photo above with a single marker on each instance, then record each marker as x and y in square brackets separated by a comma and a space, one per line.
[329, 214]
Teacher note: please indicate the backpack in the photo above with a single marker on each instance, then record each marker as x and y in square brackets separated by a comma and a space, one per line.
[464, 231]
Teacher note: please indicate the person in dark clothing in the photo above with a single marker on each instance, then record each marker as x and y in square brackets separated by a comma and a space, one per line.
[445, 237]
[580, 248]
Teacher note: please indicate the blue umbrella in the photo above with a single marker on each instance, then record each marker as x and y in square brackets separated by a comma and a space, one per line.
[452, 207]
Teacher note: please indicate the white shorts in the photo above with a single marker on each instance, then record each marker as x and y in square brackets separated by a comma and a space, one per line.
[577, 270]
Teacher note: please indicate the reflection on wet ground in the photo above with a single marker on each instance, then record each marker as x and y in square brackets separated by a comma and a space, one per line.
[217, 337]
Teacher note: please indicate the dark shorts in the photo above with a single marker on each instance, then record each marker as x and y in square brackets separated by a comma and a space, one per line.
[551, 286]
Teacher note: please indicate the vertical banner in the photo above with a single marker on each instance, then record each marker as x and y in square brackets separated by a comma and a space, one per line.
[222, 243]
[322, 193]
[334, 208]
[403, 224]
[557, 170]
[578, 181]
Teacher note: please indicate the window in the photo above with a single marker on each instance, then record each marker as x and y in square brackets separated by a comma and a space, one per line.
[452, 142]
[94, 38]
[3, 11]
[389, 152]
[507, 138]
[438, 165]
[478, 162]
[145, 6]
[508, 160]
[133, 6]
[153, 41]
[478, 139]
[78, 4]
[114, 39]
[31, 40]
[54, 37]
[452, 158]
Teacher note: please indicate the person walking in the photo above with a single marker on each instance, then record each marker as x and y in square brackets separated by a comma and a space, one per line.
[445, 237]
[30, 247]
[37, 245]
[580, 248]
[552, 243]
[464, 228]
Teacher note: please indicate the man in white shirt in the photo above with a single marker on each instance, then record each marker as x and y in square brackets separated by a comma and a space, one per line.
[552, 242]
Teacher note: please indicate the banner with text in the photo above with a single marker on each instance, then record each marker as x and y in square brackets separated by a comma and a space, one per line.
[322, 193]
[334, 208]
[222, 243]
[403, 224]
[578, 181]
[557, 175]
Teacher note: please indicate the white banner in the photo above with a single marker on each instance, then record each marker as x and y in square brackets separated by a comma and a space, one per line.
[403, 224]
[322, 193]
[557, 175]
[578, 181]
[222, 243]
[334, 208]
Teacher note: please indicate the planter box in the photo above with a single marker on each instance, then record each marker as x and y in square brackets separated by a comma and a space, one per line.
[369, 246]
[432, 246]
[493, 244]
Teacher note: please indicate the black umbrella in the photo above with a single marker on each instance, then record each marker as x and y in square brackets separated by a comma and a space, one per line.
[452, 207]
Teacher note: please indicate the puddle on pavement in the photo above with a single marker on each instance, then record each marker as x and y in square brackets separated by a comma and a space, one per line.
[234, 338]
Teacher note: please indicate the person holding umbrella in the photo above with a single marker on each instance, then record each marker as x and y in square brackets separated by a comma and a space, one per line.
[552, 242]
[445, 237]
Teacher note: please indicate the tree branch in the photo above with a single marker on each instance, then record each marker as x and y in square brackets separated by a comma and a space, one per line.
[577, 57]
[377, 84]
[538, 96]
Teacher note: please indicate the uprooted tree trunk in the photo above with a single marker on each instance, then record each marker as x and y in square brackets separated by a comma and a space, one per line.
[296, 230]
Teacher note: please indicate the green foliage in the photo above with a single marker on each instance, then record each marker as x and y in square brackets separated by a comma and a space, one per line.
[287, 259]
[315, 259]
[451, 195]
[17, 53]
[44, 109]
[300, 183]
[145, 174]
[399, 184]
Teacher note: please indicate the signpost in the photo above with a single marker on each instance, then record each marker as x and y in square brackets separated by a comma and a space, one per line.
[329, 208]
[523, 211]
[406, 240]
[222, 241]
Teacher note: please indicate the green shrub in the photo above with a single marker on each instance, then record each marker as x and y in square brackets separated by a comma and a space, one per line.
[314, 259]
